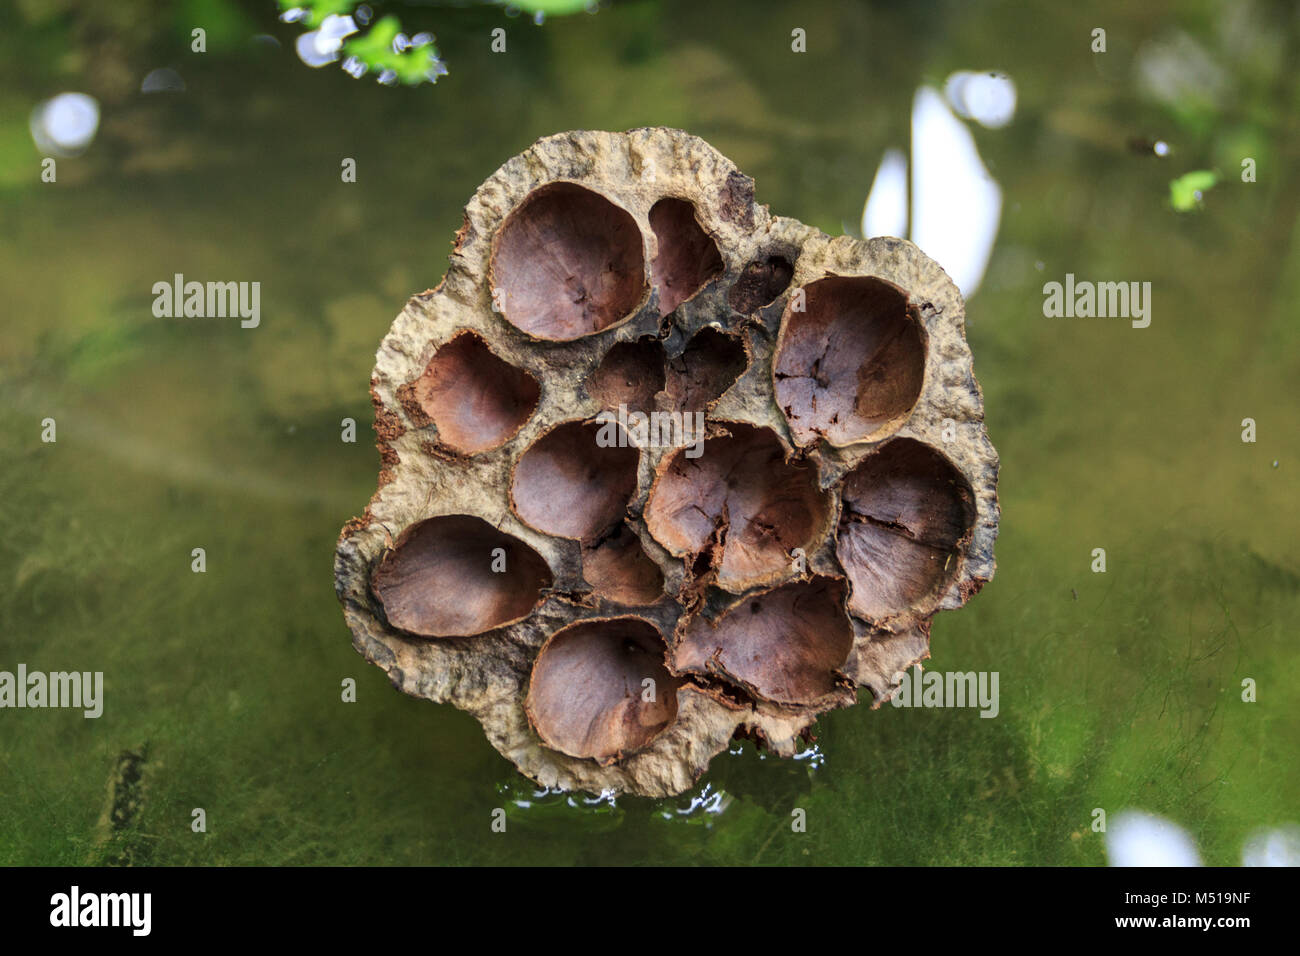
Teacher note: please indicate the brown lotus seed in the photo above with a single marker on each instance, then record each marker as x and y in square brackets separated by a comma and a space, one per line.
[687, 258]
[600, 689]
[439, 580]
[569, 263]
[849, 365]
[476, 400]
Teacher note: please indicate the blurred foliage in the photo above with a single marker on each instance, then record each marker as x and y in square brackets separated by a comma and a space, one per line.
[384, 49]
[381, 50]
[314, 12]
[1187, 191]
[380, 47]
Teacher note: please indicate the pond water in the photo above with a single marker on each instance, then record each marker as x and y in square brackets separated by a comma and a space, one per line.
[1119, 690]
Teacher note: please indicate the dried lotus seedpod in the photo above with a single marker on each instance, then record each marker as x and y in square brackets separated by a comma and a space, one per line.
[660, 469]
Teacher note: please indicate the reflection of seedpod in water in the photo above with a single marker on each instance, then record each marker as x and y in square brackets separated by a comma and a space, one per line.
[615, 604]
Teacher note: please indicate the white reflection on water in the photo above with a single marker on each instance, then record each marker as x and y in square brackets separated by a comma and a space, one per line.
[707, 801]
[1134, 838]
[305, 46]
[66, 124]
[989, 97]
[886, 211]
[321, 46]
[955, 204]
[1279, 847]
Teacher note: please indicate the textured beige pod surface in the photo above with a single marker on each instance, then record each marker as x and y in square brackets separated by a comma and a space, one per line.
[488, 674]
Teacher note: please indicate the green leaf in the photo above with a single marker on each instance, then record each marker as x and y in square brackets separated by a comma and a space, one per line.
[318, 10]
[1186, 191]
[552, 8]
[375, 50]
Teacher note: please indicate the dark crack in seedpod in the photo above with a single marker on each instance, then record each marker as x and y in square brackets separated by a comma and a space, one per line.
[614, 610]
[786, 645]
[743, 502]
